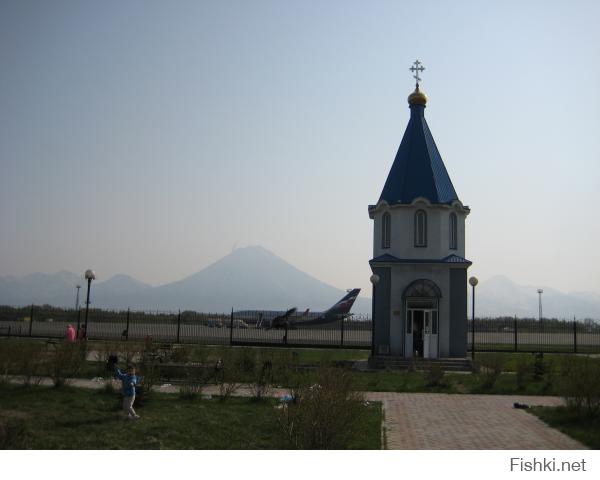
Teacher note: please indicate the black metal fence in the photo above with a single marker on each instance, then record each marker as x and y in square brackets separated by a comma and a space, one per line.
[530, 335]
[491, 334]
[182, 327]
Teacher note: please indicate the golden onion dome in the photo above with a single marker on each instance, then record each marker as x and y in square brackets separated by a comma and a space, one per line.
[417, 97]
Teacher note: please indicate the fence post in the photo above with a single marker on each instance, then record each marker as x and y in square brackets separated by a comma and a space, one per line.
[231, 328]
[516, 338]
[78, 321]
[178, 324]
[575, 336]
[342, 333]
[285, 334]
[31, 320]
[127, 327]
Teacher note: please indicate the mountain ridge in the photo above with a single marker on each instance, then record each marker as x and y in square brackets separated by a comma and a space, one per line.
[255, 278]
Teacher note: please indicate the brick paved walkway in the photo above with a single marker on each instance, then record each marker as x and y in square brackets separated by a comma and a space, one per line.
[433, 421]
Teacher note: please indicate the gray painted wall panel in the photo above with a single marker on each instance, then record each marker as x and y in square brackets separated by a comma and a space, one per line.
[381, 307]
[458, 312]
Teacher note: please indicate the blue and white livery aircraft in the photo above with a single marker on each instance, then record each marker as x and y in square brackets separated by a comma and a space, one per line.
[289, 319]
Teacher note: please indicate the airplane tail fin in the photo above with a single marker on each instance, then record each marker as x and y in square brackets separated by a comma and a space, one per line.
[306, 312]
[345, 304]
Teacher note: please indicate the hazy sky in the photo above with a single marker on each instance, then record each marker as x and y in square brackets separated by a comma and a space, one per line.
[150, 138]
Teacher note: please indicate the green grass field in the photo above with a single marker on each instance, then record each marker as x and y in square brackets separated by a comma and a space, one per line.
[581, 427]
[71, 418]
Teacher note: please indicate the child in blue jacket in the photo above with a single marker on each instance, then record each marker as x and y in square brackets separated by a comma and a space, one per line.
[129, 381]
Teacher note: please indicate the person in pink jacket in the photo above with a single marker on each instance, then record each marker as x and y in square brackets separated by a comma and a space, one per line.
[70, 335]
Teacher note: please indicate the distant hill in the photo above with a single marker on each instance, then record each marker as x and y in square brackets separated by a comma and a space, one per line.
[254, 278]
[499, 296]
[248, 278]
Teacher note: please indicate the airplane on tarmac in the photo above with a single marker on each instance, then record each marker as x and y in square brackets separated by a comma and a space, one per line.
[281, 319]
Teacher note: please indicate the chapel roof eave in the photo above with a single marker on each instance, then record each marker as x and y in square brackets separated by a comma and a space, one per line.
[451, 259]
[384, 205]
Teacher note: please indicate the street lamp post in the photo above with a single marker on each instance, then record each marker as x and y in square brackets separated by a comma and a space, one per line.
[89, 276]
[374, 280]
[77, 297]
[473, 282]
[540, 291]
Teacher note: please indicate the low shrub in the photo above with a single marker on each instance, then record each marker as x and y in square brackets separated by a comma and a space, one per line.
[182, 353]
[490, 370]
[580, 383]
[539, 367]
[549, 378]
[65, 362]
[191, 388]
[434, 375]
[325, 415]
[195, 377]
[29, 362]
[261, 383]
[522, 373]
[7, 360]
[229, 367]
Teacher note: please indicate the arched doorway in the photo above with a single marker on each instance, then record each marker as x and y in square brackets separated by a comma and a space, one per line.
[421, 304]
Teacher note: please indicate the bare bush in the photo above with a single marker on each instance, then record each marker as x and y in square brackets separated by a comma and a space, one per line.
[325, 415]
[182, 353]
[261, 384]
[228, 370]
[523, 372]
[549, 378]
[65, 362]
[149, 368]
[434, 375]
[195, 376]
[29, 362]
[7, 360]
[490, 370]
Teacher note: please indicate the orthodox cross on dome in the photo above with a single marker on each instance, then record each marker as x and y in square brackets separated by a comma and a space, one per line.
[416, 69]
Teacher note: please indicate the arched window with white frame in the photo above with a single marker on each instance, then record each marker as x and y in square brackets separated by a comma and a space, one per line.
[420, 228]
[386, 228]
[453, 232]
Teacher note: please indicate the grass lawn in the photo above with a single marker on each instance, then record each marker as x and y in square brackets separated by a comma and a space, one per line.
[581, 427]
[511, 359]
[71, 418]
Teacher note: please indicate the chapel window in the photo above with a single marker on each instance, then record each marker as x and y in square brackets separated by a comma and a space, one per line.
[453, 231]
[385, 230]
[420, 229]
